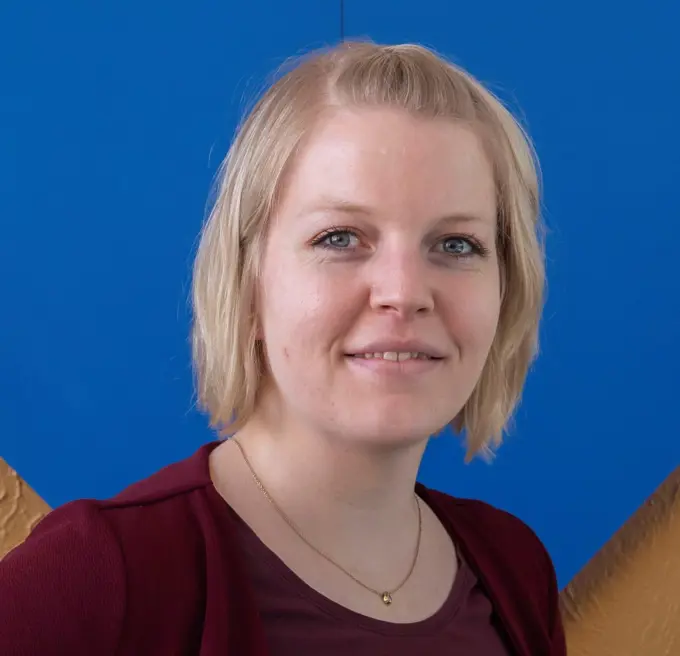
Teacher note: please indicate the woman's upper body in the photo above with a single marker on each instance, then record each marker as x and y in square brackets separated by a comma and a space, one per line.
[370, 273]
[167, 567]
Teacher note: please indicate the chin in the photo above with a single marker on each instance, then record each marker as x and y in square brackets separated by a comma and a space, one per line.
[390, 430]
[389, 441]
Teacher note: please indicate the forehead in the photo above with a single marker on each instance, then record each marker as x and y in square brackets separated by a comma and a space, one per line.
[390, 161]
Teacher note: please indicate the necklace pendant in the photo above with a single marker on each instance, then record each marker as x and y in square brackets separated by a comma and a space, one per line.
[387, 598]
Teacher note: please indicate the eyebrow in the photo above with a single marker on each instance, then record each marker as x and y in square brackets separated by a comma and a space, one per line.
[347, 207]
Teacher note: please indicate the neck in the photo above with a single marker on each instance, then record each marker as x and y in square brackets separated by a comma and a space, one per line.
[330, 486]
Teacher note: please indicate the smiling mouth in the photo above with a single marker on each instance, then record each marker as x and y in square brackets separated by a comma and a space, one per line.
[393, 356]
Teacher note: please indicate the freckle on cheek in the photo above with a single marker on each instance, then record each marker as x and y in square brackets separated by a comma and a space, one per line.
[286, 354]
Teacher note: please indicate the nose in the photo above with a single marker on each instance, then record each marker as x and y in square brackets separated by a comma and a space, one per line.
[400, 285]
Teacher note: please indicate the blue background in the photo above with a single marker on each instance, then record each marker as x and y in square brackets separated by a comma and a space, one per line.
[115, 117]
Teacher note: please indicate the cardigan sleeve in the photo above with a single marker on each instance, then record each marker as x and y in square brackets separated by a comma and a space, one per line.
[63, 590]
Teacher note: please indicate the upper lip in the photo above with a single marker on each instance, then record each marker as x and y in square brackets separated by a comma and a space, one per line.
[406, 346]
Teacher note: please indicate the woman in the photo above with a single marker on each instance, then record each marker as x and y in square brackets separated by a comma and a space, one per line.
[369, 274]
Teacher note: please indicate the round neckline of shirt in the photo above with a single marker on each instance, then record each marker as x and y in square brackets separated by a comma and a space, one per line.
[461, 586]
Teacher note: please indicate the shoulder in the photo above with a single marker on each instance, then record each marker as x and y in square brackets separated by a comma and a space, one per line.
[142, 516]
[168, 500]
[88, 564]
[489, 528]
[159, 525]
[512, 563]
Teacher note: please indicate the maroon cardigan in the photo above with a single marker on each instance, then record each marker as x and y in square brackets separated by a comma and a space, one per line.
[157, 571]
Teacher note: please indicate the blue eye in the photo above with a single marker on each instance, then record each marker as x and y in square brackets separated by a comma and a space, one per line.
[457, 246]
[463, 247]
[337, 239]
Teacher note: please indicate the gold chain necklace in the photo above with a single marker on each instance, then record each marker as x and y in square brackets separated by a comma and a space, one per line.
[385, 595]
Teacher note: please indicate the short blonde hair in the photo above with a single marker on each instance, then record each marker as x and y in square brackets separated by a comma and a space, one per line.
[228, 361]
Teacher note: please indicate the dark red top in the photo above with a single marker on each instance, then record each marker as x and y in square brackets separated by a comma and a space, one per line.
[299, 620]
[161, 569]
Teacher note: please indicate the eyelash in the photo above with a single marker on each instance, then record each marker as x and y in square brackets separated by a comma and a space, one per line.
[477, 247]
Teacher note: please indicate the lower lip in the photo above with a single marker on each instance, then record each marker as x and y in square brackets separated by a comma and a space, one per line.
[412, 366]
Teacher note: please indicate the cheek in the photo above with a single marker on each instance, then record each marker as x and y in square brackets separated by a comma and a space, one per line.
[473, 317]
[302, 311]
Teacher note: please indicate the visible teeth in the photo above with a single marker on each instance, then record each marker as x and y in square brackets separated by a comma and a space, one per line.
[394, 356]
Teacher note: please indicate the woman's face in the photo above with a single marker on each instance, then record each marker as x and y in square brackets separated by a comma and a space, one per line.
[380, 294]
